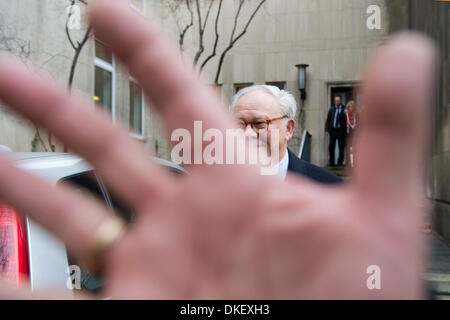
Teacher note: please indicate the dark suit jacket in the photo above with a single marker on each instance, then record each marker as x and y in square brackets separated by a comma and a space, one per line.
[341, 118]
[311, 171]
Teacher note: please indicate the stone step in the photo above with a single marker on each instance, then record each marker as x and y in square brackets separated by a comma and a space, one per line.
[442, 297]
[438, 268]
[440, 284]
[339, 171]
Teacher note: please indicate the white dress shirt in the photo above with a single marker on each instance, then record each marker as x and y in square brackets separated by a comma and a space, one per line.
[283, 166]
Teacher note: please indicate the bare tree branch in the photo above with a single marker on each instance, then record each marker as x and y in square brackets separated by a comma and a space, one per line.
[236, 18]
[201, 48]
[234, 40]
[188, 26]
[78, 50]
[37, 138]
[67, 25]
[22, 49]
[78, 47]
[216, 41]
[10, 42]
[207, 13]
[174, 8]
[201, 28]
[202, 22]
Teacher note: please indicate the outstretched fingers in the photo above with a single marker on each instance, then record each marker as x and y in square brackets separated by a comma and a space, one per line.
[122, 162]
[391, 146]
[175, 90]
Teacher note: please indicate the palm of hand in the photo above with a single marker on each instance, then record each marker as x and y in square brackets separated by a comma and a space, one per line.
[285, 244]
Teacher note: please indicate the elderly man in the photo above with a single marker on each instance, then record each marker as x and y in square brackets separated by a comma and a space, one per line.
[266, 108]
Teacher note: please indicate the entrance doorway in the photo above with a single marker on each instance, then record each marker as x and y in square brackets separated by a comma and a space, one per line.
[348, 91]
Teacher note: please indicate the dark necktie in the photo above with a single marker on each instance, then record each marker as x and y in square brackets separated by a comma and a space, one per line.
[336, 123]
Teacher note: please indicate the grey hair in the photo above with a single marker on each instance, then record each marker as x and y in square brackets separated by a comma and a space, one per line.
[287, 102]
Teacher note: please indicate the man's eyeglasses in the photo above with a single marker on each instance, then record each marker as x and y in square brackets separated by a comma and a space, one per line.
[257, 125]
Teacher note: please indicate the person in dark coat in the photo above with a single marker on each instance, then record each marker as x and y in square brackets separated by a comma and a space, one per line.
[261, 106]
[336, 129]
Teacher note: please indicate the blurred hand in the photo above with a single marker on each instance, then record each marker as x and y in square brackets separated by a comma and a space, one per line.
[226, 231]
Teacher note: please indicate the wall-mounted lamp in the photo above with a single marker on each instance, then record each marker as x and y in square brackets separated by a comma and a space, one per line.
[302, 80]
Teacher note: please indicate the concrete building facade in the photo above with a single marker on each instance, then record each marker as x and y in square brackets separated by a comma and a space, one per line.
[331, 36]
[433, 18]
[35, 31]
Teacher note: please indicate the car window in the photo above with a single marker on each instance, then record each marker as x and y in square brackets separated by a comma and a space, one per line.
[91, 183]
[88, 181]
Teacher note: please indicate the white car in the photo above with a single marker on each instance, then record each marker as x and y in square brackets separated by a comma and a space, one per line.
[28, 252]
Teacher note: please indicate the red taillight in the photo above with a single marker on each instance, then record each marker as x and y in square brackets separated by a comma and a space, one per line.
[13, 247]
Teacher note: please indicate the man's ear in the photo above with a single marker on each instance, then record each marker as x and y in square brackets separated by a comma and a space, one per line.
[290, 126]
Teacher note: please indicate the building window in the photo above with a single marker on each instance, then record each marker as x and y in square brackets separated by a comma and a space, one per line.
[102, 52]
[136, 109]
[104, 78]
[139, 5]
[239, 86]
[279, 84]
